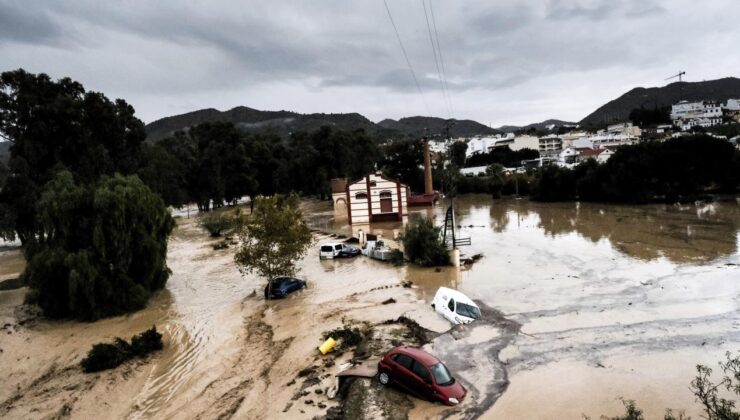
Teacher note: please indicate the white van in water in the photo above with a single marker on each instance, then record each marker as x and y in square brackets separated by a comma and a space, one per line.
[455, 306]
[337, 250]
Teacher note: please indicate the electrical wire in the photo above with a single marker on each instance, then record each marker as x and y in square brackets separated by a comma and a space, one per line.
[406, 56]
[441, 60]
[436, 60]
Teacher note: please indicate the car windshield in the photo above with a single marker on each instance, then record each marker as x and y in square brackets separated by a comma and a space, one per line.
[469, 311]
[441, 375]
[326, 248]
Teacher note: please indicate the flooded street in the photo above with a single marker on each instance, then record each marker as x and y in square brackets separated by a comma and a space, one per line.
[614, 301]
[583, 304]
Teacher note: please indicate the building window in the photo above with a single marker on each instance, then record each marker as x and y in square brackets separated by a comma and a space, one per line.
[386, 194]
[373, 184]
[361, 196]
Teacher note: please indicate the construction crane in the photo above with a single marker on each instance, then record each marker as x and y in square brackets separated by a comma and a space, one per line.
[679, 75]
[680, 86]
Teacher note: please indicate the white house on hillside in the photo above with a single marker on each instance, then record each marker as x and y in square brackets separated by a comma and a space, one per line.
[696, 114]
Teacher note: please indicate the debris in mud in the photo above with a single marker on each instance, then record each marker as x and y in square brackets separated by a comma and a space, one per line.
[352, 241]
[321, 405]
[471, 260]
[220, 245]
[307, 371]
[414, 330]
[11, 284]
[346, 337]
[406, 284]
[389, 301]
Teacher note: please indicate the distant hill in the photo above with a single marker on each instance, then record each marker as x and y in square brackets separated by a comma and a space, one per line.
[619, 109]
[285, 122]
[537, 126]
[418, 126]
[280, 122]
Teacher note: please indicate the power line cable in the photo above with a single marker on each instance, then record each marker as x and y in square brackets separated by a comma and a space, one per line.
[436, 61]
[406, 56]
[441, 59]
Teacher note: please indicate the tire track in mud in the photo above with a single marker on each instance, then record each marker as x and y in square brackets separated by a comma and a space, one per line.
[230, 392]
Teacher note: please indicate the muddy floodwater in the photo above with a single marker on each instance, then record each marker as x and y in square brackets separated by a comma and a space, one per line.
[613, 301]
[584, 304]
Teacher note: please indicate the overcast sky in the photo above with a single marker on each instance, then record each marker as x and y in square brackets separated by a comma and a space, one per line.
[506, 62]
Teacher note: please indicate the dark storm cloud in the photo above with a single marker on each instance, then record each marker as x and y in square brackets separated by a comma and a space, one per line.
[173, 55]
[26, 25]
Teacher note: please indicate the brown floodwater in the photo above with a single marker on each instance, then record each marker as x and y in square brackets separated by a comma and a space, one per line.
[613, 301]
[586, 303]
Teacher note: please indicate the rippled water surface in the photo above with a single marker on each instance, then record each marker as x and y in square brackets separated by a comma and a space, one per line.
[614, 301]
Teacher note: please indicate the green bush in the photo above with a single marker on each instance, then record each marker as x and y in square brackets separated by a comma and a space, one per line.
[423, 244]
[103, 356]
[216, 223]
[104, 247]
[146, 342]
[681, 169]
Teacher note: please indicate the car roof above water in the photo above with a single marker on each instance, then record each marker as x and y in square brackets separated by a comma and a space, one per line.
[418, 354]
[454, 294]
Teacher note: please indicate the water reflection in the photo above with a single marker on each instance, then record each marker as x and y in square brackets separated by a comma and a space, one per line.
[680, 233]
[690, 233]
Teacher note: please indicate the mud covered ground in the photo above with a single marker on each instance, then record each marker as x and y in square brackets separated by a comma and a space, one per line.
[583, 304]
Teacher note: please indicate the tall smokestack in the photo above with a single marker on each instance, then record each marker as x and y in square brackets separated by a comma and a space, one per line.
[428, 189]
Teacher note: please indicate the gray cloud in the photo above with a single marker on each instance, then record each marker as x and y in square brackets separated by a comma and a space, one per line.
[171, 56]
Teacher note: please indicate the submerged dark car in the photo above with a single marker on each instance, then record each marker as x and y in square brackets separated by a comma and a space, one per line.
[420, 374]
[280, 287]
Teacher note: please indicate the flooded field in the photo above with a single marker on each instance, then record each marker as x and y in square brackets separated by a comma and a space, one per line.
[584, 304]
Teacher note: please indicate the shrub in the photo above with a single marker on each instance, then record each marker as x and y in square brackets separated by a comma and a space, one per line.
[423, 244]
[146, 342]
[215, 223]
[103, 356]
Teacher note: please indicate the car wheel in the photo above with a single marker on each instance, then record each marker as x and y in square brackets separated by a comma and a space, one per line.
[384, 378]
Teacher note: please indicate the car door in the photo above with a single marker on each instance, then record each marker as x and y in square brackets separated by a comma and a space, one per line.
[424, 386]
[293, 285]
[402, 373]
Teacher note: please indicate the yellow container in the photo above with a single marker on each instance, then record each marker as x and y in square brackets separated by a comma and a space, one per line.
[327, 346]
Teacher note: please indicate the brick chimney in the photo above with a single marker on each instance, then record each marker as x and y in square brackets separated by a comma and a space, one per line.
[428, 189]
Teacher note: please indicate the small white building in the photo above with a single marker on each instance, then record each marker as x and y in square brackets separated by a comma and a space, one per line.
[525, 142]
[550, 146]
[568, 155]
[474, 171]
[732, 105]
[373, 198]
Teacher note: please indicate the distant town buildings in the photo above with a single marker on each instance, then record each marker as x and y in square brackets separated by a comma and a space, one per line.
[572, 144]
[688, 115]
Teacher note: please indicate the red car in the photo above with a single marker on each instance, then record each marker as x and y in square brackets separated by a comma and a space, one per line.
[421, 374]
